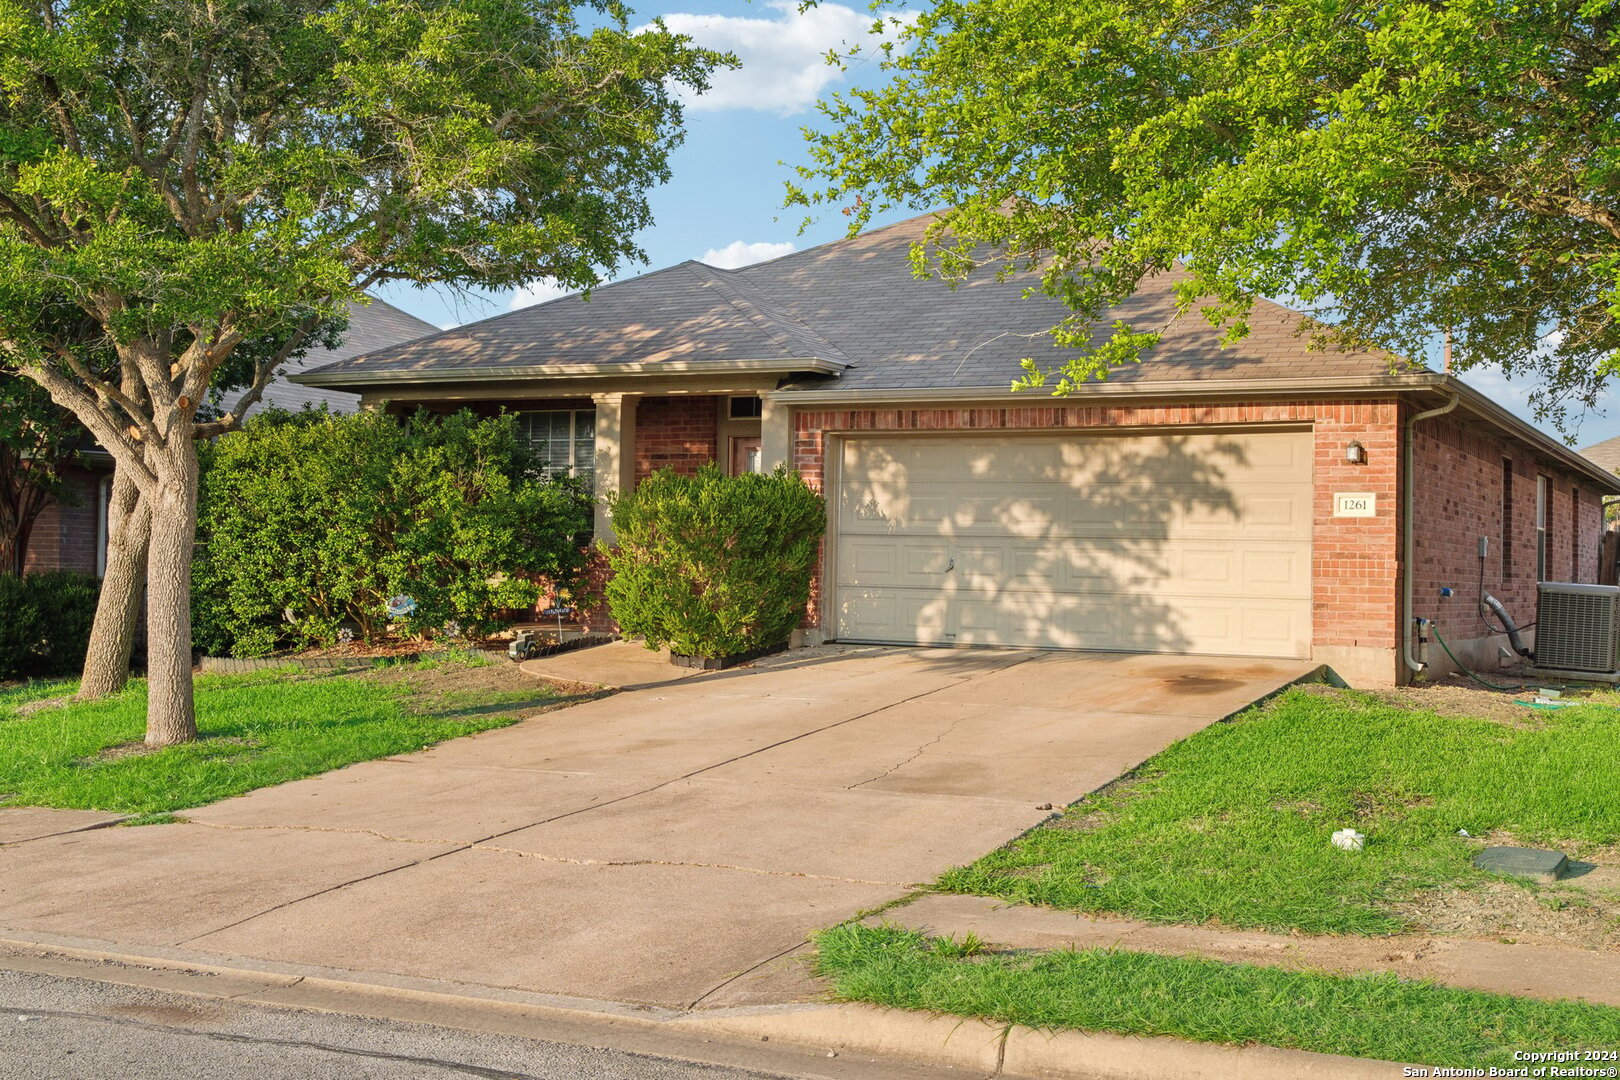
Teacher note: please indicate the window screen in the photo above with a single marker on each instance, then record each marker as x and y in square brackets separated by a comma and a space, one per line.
[564, 441]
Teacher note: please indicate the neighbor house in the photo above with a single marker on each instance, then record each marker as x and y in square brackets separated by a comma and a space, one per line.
[73, 535]
[1241, 501]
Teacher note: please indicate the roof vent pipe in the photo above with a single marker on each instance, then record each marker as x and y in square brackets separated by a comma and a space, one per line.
[1409, 557]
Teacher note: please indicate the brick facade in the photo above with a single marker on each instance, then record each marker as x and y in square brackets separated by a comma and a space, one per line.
[1356, 562]
[66, 537]
[677, 432]
[1460, 470]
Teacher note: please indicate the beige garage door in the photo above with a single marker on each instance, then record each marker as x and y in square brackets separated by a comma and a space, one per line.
[1195, 543]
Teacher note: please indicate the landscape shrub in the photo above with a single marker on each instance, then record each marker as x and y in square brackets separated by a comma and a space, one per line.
[714, 565]
[309, 523]
[45, 623]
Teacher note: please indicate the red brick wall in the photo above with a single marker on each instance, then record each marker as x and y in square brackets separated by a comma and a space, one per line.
[1356, 560]
[676, 432]
[1457, 498]
[66, 537]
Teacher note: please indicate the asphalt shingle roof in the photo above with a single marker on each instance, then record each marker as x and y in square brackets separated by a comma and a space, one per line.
[372, 327]
[1606, 454]
[855, 301]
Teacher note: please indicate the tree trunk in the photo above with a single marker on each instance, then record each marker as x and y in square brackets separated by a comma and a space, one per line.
[25, 533]
[170, 714]
[118, 610]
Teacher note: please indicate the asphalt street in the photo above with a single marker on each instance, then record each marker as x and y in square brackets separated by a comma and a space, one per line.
[54, 1028]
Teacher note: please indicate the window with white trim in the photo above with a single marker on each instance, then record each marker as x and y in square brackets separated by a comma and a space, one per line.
[1543, 526]
[564, 440]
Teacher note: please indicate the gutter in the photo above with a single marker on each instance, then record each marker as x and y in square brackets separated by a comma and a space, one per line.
[1408, 537]
[1360, 384]
[352, 377]
[1182, 389]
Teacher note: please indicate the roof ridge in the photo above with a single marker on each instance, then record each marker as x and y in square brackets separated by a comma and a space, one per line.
[828, 243]
[734, 287]
[373, 298]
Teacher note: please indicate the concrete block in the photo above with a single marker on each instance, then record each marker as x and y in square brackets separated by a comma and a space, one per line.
[1532, 864]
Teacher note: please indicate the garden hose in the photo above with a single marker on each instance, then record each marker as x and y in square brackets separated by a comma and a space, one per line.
[1477, 678]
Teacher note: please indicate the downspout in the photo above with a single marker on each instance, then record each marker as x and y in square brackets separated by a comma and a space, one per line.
[1409, 542]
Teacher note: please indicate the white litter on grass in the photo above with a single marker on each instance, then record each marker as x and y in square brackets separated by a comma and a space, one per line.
[1349, 840]
[1464, 832]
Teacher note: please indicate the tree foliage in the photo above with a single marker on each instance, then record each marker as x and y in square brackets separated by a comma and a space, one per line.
[311, 522]
[714, 565]
[204, 174]
[1401, 168]
[192, 176]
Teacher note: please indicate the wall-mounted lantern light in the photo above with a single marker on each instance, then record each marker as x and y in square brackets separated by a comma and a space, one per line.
[1355, 453]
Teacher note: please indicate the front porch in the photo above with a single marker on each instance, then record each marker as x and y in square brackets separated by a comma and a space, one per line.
[615, 439]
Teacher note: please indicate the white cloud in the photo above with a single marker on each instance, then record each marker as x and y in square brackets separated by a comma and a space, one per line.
[739, 253]
[538, 291]
[784, 59]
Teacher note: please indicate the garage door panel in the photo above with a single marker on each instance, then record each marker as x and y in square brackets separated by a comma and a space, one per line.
[1270, 511]
[1116, 622]
[1279, 570]
[1195, 542]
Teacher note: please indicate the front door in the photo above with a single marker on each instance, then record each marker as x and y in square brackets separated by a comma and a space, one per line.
[745, 455]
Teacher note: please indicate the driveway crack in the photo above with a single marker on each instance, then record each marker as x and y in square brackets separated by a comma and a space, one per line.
[919, 753]
[615, 863]
[744, 973]
[323, 829]
[597, 806]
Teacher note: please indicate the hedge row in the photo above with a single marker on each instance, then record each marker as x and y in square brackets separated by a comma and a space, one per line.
[45, 622]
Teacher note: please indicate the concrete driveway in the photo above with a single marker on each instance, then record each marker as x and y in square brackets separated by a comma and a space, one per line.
[671, 845]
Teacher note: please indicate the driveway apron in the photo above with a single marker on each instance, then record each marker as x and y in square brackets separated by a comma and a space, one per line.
[671, 845]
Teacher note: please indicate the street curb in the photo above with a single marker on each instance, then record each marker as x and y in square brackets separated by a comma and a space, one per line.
[829, 1030]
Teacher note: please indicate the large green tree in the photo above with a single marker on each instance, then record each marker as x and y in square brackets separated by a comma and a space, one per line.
[193, 176]
[1402, 168]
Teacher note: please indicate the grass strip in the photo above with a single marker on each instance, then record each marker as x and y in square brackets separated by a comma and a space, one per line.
[1233, 823]
[1375, 1016]
[255, 729]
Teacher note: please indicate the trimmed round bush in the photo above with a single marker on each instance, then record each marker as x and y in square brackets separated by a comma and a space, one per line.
[714, 565]
[45, 622]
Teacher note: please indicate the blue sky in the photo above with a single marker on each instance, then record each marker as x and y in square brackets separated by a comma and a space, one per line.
[723, 204]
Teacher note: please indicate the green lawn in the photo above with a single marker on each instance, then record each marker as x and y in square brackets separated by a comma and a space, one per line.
[256, 730]
[1376, 1016]
[1233, 823]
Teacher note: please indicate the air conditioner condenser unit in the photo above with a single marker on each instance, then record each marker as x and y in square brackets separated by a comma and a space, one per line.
[1578, 627]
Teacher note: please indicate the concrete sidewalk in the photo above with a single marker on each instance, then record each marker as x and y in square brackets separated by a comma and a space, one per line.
[670, 846]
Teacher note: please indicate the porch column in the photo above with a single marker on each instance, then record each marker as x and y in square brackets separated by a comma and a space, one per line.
[615, 454]
[775, 434]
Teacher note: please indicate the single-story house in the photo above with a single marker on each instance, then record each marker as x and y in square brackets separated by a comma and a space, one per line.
[73, 535]
[1245, 501]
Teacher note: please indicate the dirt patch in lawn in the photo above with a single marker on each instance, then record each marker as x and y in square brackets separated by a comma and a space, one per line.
[1581, 910]
[501, 686]
[1456, 696]
[29, 708]
[122, 750]
[377, 650]
[1499, 911]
